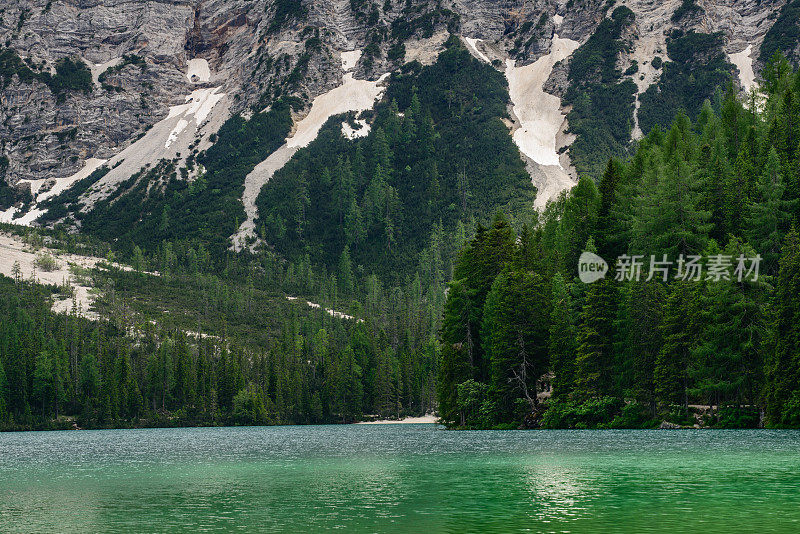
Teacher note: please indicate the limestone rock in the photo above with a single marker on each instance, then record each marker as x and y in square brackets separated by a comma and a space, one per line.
[252, 57]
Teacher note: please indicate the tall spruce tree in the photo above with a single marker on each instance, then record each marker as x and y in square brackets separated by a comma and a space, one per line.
[668, 218]
[3, 393]
[639, 339]
[515, 334]
[578, 223]
[679, 331]
[783, 370]
[595, 356]
[607, 246]
[770, 215]
[562, 345]
[459, 353]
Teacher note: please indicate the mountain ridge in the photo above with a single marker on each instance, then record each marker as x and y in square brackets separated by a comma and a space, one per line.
[237, 39]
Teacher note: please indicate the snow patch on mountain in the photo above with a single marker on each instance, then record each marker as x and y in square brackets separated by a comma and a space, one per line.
[539, 113]
[173, 135]
[44, 189]
[352, 95]
[11, 215]
[350, 59]
[472, 46]
[62, 184]
[198, 71]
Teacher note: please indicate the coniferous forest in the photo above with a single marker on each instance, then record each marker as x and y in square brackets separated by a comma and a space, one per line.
[524, 341]
[458, 298]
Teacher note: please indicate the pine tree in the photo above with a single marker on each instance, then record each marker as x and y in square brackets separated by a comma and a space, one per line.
[16, 371]
[783, 369]
[607, 246]
[562, 345]
[185, 379]
[381, 153]
[725, 212]
[578, 223]
[354, 225]
[346, 282]
[3, 394]
[302, 201]
[485, 257]
[479, 264]
[344, 189]
[678, 330]
[639, 334]
[351, 386]
[43, 387]
[595, 355]
[89, 382]
[387, 403]
[725, 361]
[667, 217]
[460, 346]
[515, 333]
[770, 215]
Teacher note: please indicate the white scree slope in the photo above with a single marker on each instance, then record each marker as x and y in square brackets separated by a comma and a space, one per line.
[352, 95]
[541, 123]
[744, 62]
[202, 114]
[540, 118]
[56, 187]
[539, 113]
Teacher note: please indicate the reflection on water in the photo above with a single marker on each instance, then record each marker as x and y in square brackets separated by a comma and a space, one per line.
[401, 478]
[557, 493]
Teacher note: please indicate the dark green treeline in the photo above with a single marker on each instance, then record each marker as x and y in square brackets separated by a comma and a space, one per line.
[629, 354]
[302, 366]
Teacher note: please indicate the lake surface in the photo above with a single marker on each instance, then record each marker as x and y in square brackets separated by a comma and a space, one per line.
[399, 478]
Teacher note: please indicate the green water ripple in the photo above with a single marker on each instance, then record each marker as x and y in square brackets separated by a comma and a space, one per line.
[399, 478]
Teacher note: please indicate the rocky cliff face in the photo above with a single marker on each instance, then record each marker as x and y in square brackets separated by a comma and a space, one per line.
[146, 57]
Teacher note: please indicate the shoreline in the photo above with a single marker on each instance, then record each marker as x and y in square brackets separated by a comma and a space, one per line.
[427, 418]
[67, 424]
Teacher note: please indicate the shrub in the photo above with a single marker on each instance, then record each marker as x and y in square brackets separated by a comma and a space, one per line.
[46, 262]
[286, 10]
[71, 75]
[593, 413]
[688, 7]
[737, 417]
[248, 407]
[633, 415]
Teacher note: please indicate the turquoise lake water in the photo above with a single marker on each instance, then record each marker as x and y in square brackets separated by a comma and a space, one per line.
[399, 478]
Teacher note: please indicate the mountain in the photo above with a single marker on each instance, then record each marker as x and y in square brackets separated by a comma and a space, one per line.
[92, 82]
